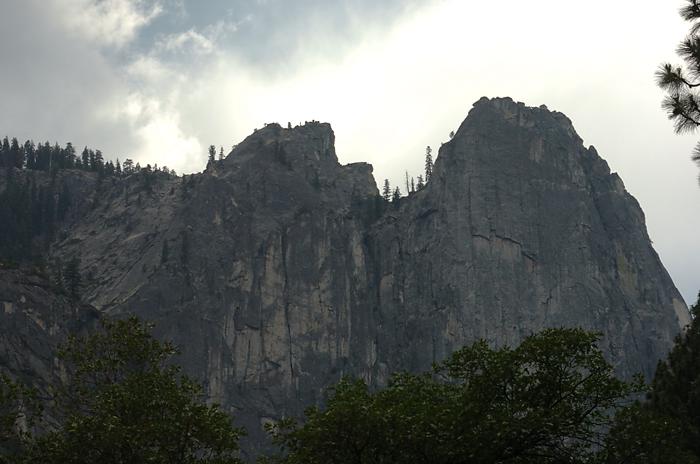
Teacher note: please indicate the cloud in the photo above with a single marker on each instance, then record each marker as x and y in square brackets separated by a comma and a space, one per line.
[160, 80]
[403, 87]
[196, 42]
[112, 23]
[162, 134]
[190, 39]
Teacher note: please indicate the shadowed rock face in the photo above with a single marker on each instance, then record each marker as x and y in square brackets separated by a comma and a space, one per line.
[521, 228]
[277, 272]
[34, 319]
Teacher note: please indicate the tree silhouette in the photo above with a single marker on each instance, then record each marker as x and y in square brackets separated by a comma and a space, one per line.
[546, 401]
[212, 154]
[682, 102]
[396, 196]
[386, 191]
[428, 163]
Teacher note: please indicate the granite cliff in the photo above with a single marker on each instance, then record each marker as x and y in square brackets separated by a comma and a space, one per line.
[278, 270]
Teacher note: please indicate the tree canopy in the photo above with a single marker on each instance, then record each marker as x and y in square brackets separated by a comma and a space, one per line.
[552, 399]
[125, 402]
[547, 401]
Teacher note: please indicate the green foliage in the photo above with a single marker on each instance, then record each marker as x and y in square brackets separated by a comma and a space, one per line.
[682, 101]
[546, 401]
[675, 390]
[670, 419]
[665, 428]
[642, 435]
[124, 403]
[32, 206]
[19, 411]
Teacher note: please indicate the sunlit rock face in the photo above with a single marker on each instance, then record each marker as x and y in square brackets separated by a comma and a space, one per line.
[277, 271]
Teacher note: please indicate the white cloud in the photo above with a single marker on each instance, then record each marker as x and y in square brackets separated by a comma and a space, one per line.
[162, 139]
[388, 94]
[399, 90]
[190, 39]
[195, 42]
[112, 23]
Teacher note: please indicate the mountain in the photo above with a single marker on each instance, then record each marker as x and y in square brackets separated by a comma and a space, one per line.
[278, 270]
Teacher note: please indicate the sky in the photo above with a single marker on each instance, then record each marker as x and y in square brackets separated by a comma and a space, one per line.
[159, 81]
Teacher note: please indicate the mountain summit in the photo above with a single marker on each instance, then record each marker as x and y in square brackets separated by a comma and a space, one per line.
[278, 270]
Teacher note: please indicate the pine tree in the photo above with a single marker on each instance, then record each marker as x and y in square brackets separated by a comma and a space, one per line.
[420, 184]
[16, 154]
[69, 156]
[85, 157]
[221, 153]
[128, 167]
[5, 153]
[413, 185]
[428, 164]
[386, 191]
[212, 154]
[396, 196]
[682, 101]
[92, 160]
[55, 157]
[30, 154]
[99, 161]
[109, 168]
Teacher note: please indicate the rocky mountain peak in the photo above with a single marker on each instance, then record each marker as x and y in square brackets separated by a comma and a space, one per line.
[279, 270]
[502, 139]
[519, 114]
[311, 145]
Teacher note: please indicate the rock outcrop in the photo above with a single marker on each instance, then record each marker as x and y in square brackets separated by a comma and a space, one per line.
[520, 228]
[34, 320]
[278, 270]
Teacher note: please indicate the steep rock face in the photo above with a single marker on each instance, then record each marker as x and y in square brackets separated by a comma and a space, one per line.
[521, 228]
[277, 272]
[256, 268]
[34, 319]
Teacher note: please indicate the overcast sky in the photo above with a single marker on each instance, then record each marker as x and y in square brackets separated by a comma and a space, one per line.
[160, 80]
